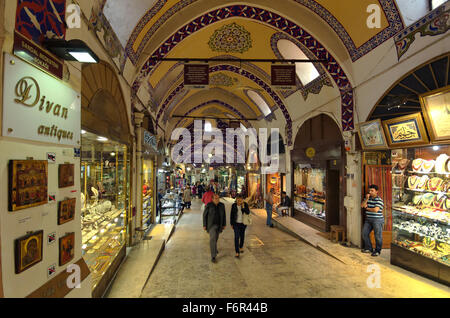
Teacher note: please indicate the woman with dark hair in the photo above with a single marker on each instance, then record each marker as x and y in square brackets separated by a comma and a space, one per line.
[236, 220]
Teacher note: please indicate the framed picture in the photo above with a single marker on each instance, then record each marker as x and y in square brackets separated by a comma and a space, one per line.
[66, 210]
[28, 250]
[66, 174]
[405, 131]
[66, 248]
[27, 184]
[371, 135]
[436, 111]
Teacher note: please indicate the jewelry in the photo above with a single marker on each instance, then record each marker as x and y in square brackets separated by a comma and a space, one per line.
[428, 165]
[417, 164]
[428, 198]
[434, 184]
[440, 163]
[422, 184]
[412, 182]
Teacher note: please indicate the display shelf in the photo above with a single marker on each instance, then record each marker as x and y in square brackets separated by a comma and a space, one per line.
[395, 226]
[427, 191]
[321, 201]
[440, 221]
[441, 257]
[447, 174]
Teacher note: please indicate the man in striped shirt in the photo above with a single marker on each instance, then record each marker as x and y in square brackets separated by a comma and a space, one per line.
[373, 205]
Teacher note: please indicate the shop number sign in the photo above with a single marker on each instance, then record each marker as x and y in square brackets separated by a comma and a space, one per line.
[39, 107]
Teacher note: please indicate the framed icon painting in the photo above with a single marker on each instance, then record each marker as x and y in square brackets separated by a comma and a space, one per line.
[66, 175]
[405, 131]
[436, 111]
[28, 185]
[66, 210]
[66, 248]
[371, 135]
[28, 250]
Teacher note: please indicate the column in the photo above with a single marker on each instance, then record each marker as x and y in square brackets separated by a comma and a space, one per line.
[138, 119]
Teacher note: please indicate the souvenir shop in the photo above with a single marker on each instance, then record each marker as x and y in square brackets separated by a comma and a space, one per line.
[277, 182]
[105, 176]
[253, 180]
[148, 179]
[415, 173]
[317, 164]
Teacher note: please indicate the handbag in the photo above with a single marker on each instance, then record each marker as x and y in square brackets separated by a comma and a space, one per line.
[247, 219]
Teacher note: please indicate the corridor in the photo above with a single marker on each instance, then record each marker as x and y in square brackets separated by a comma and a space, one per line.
[274, 264]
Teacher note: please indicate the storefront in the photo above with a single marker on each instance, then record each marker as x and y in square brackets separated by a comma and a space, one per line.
[105, 176]
[418, 144]
[148, 179]
[318, 184]
[277, 182]
[253, 179]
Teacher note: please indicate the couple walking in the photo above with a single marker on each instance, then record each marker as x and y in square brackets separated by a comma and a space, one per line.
[214, 222]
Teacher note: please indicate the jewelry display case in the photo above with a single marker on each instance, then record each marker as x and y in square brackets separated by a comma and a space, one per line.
[104, 202]
[170, 208]
[421, 211]
[147, 192]
[309, 194]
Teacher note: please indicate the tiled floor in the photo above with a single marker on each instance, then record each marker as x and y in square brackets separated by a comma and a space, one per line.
[274, 264]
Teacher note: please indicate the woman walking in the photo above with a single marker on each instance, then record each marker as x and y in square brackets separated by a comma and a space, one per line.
[236, 220]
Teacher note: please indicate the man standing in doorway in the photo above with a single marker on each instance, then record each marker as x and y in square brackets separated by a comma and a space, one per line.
[373, 206]
[269, 207]
[214, 223]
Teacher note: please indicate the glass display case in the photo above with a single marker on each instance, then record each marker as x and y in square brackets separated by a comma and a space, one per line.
[147, 192]
[421, 209]
[170, 208]
[104, 202]
[309, 191]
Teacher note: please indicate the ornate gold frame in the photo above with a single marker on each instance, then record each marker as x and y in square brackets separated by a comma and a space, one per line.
[417, 118]
[428, 118]
[364, 147]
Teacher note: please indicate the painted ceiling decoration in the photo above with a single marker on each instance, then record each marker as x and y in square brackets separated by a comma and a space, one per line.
[276, 21]
[230, 38]
[146, 27]
[314, 86]
[435, 23]
[222, 79]
[237, 70]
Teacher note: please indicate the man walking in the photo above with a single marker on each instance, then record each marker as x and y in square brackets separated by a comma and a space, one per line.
[373, 206]
[214, 223]
[187, 197]
[269, 206]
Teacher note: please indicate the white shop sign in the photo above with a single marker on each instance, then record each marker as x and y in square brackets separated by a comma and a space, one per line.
[39, 107]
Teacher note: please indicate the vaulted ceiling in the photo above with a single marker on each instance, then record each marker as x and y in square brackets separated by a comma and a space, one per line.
[219, 28]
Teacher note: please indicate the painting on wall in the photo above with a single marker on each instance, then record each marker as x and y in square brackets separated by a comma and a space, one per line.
[371, 135]
[66, 248]
[28, 250]
[436, 110]
[66, 173]
[38, 20]
[27, 184]
[66, 210]
[406, 131]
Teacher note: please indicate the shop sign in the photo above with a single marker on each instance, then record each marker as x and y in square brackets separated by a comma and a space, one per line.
[39, 107]
[34, 54]
[196, 75]
[150, 140]
[283, 76]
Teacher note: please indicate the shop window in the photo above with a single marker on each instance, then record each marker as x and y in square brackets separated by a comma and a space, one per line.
[306, 72]
[260, 102]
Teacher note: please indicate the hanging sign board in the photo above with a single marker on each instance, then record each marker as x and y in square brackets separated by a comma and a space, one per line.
[196, 76]
[283, 76]
[39, 107]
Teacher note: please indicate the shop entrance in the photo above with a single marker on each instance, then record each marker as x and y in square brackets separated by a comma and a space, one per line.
[317, 164]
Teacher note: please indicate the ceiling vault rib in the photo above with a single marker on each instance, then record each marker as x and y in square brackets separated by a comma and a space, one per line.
[208, 117]
[180, 59]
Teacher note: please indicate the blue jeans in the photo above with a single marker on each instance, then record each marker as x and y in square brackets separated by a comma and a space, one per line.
[377, 227]
[269, 213]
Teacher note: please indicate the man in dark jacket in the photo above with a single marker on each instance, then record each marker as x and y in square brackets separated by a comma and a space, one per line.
[285, 204]
[214, 222]
[236, 221]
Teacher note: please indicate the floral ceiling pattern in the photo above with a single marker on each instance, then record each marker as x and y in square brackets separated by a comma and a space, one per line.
[230, 38]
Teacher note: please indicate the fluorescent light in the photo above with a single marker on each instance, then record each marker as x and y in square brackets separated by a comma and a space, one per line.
[83, 57]
[102, 139]
[83, 131]
[113, 154]
[435, 148]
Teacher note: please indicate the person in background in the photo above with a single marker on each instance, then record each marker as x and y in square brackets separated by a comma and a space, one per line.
[200, 190]
[194, 189]
[236, 221]
[373, 206]
[269, 207]
[285, 204]
[208, 196]
[187, 196]
[214, 222]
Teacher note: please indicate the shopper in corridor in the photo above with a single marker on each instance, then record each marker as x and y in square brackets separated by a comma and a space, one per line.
[236, 221]
[214, 223]
[208, 196]
[269, 207]
[373, 206]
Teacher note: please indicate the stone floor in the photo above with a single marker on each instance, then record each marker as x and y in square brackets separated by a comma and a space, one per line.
[274, 264]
